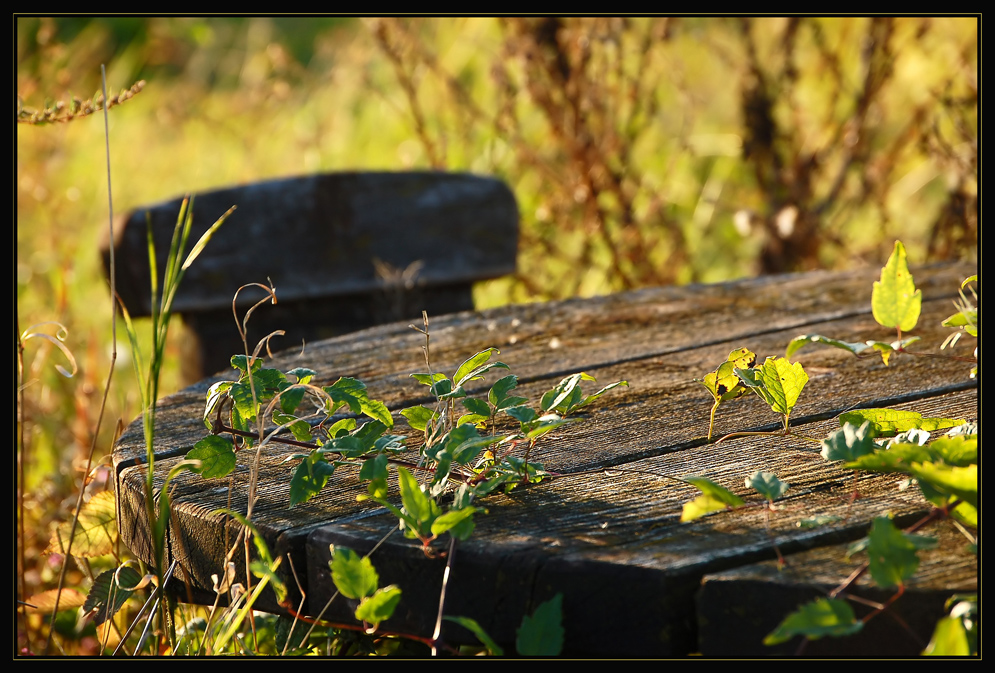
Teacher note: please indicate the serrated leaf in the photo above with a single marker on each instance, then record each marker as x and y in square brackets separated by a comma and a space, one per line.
[783, 382]
[767, 484]
[44, 601]
[96, 529]
[354, 575]
[522, 414]
[822, 617]
[892, 421]
[849, 442]
[891, 553]
[309, 478]
[895, 301]
[380, 606]
[216, 455]
[541, 635]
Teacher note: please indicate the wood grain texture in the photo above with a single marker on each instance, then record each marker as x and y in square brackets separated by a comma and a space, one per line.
[610, 540]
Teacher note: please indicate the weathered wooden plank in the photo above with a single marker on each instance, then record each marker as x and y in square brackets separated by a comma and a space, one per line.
[384, 357]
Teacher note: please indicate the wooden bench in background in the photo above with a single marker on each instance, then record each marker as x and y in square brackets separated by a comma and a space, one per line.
[345, 251]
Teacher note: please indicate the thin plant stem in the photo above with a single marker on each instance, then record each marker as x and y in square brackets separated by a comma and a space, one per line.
[110, 371]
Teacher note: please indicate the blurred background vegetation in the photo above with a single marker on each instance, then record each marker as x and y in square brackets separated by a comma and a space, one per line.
[641, 152]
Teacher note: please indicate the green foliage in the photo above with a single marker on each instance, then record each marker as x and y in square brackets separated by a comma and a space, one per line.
[956, 634]
[945, 469]
[895, 300]
[822, 617]
[356, 578]
[713, 498]
[541, 635]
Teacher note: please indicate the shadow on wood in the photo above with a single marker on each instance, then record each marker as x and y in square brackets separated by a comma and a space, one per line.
[345, 251]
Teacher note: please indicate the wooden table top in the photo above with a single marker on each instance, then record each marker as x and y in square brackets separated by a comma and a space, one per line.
[635, 581]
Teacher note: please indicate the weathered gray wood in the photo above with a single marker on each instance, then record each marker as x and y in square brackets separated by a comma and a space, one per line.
[344, 250]
[611, 541]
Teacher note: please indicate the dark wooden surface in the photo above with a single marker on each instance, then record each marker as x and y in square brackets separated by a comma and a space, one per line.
[631, 574]
[345, 250]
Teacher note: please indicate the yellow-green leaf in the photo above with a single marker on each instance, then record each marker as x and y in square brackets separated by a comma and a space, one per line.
[895, 301]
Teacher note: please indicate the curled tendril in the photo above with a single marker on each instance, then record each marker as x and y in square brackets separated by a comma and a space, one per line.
[57, 339]
[271, 297]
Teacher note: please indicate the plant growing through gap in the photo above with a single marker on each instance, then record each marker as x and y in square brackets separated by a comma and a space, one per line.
[872, 440]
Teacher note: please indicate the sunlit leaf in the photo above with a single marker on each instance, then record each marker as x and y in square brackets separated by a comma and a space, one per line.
[353, 575]
[822, 617]
[216, 455]
[380, 606]
[895, 301]
[96, 529]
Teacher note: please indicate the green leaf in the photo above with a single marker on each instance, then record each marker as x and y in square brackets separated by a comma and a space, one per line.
[309, 478]
[419, 417]
[822, 617]
[959, 482]
[473, 367]
[110, 590]
[783, 382]
[849, 442]
[709, 487]
[354, 576]
[895, 301]
[713, 499]
[458, 522]
[352, 393]
[241, 363]
[700, 506]
[522, 414]
[216, 456]
[375, 471]
[892, 553]
[891, 421]
[541, 635]
[800, 341]
[563, 391]
[303, 374]
[215, 394]
[499, 396]
[949, 639]
[290, 398]
[767, 484]
[415, 502]
[478, 407]
[380, 606]
[477, 630]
